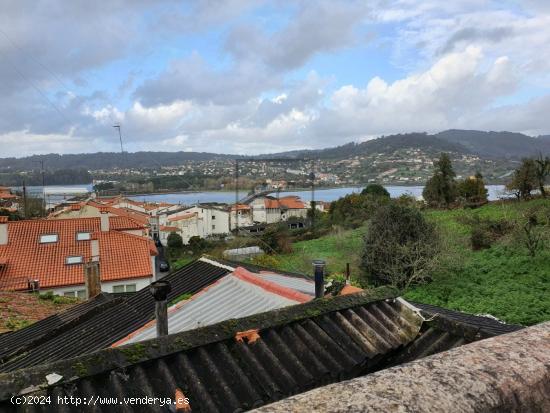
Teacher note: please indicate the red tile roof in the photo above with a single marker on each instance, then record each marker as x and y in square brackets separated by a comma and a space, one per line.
[167, 228]
[122, 255]
[290, 202]
[239, 207]
[189, 215]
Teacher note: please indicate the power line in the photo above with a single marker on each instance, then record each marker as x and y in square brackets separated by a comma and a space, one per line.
[35, 87]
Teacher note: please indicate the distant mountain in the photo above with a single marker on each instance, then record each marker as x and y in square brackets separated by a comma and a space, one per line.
[107, 160]
[497, 144]
[487, 145]
[384, 144]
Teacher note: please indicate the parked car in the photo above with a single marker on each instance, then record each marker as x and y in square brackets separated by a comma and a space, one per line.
[164, 266]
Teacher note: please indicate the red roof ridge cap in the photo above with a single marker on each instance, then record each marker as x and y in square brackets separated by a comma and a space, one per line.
[272, 287]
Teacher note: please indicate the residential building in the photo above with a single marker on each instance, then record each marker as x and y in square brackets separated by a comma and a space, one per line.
[53, 252]
[241, 216]
[93, 209]
[271, 210]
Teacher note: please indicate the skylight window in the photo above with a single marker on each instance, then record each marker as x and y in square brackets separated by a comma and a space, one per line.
[48, 238]
[83, 236]
[74, 260]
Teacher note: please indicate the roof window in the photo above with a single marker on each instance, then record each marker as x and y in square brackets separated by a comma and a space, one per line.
[83, 236]
[48, 238]
[74, 260]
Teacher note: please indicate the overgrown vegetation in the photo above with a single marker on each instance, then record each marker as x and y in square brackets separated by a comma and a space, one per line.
[400, 248]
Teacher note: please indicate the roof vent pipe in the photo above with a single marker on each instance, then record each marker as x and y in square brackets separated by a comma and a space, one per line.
[319, 272]
[160, 290]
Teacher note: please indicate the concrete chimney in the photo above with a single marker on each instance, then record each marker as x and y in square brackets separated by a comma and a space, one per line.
[160, 290]
[3, 230]
[92, 278]
[104, 216]
[94, 247]
[319, 272]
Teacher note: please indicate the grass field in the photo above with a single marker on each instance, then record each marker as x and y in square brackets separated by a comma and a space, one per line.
[503, 281]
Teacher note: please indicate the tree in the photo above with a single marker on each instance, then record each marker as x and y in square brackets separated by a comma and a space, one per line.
[352, 211]
[375, 190]
[542, 171]
[472, 190]
[524, 179]
[174, 241]
[440, 190]
[399, 248]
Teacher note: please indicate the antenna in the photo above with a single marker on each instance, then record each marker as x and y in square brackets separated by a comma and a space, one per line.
[119, 136]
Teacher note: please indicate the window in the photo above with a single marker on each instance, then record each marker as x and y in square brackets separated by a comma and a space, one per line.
[79, 294]
[83, 236]
[47, 238]
[74, 260]
[213, 216]
[213, 227]
[124, 288]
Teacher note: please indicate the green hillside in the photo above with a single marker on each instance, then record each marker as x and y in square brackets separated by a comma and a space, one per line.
[503, 280]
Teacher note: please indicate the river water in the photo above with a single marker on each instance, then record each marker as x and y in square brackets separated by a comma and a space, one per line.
[59, 193]
[495, 192]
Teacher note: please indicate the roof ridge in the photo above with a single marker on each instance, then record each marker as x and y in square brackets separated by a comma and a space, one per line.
[274, 288]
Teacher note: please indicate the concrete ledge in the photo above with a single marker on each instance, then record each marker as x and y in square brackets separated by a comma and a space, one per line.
[508, 373]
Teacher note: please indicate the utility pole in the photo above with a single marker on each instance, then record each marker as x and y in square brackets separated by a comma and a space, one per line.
[119, 137]
[237, 197]
[25, 199]
[312, 178]
[43, 187]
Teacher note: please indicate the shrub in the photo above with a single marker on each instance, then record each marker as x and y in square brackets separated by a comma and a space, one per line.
[399, 248]
[480, 239]
[174, 241]
[276, 239]
[375, 190]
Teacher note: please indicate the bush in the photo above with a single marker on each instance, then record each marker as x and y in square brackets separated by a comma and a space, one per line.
[375, 190]
[480, 239]
[276, 239]
[399, 248]
[354, 210]
[174, 241]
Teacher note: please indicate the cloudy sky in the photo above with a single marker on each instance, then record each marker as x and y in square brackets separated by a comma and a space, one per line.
[256, 76]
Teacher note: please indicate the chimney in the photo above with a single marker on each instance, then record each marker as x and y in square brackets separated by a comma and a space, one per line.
[92, 279]
[159, 290]
[319, 272]
[94, 247]
[3, 230]
[104, 216]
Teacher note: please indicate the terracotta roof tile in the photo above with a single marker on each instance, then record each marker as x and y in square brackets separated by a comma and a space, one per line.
[184, 216]
[122, 255]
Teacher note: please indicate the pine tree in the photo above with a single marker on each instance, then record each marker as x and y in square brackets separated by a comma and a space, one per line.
[440, 190]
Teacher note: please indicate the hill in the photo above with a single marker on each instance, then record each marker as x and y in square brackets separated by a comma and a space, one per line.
[494, 145]
[486, 145]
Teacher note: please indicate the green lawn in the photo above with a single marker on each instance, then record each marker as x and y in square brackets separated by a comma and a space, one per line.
[503, 281]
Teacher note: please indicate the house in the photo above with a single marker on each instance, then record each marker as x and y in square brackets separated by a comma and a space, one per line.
[8, 200]
[93, 209]
[245, 363]
[241, 216]
[50, 254]
[271, 210]
[201, 220]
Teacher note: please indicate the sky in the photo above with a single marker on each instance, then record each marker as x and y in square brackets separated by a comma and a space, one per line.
[250, 77]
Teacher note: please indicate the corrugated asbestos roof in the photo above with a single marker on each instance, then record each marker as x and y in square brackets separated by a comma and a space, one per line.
[487, 325]
[299, 284]
[111, 324]
[230, 297]
[40, 331]
[244, 363]
[293, 349]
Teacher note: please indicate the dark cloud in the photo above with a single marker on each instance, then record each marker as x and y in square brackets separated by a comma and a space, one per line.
[470, 35]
